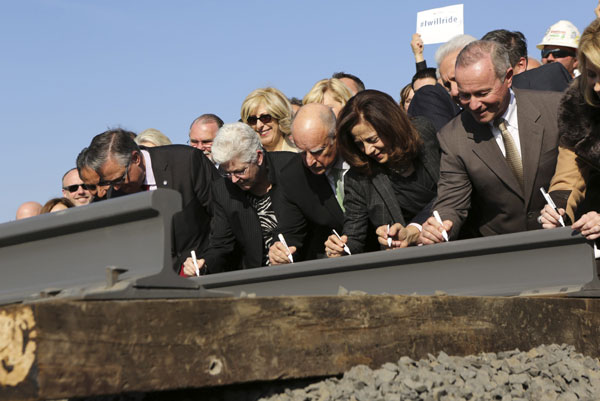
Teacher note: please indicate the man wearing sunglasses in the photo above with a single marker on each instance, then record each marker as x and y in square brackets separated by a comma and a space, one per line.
[75, 190]
[560, 45]
[125, 168]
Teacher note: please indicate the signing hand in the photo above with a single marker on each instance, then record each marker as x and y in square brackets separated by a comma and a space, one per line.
[588, 225]
[402, 237]
[188, 266]
[278, 254]
[432, 231]
[549, 217]
[334, 247]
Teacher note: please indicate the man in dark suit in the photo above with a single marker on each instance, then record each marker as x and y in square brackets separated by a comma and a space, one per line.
[548, 77]
[495, 155]
[125, 168]
[245, 202]
[312, 185]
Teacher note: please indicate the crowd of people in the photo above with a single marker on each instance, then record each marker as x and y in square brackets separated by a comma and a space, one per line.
[463, 153]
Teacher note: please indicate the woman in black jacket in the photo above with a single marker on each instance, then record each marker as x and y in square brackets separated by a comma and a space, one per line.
[393, 176]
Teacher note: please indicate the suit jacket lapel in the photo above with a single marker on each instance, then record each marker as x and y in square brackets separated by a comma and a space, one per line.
[383, 185]
[486, 148]
[330, 201]
[159, 169]
[531, 135]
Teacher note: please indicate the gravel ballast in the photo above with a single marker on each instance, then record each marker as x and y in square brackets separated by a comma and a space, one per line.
[553, 373]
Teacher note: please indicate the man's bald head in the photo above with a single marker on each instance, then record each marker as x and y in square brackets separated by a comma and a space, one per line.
[313, 130]
[28, 209]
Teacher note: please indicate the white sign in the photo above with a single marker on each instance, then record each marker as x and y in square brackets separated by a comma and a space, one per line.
[439, 25]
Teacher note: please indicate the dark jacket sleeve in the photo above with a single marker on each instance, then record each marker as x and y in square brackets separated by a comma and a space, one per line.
[356, 221]
[434, 103]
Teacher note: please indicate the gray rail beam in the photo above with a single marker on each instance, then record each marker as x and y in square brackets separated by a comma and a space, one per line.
[67, 251]
[534, 262]
[120, 249]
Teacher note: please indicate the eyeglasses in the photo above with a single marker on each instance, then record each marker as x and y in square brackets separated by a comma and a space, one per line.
[75, 187]
[118, 181]
[264, 118]
[557, 53]
[238, 173]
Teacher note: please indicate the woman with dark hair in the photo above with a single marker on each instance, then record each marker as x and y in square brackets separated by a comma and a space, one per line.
[393, 176]
[56, 204]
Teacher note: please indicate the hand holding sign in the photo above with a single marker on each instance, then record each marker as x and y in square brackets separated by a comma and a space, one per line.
[440, 24]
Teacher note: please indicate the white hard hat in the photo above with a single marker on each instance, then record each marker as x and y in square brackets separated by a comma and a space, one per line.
[563, 33]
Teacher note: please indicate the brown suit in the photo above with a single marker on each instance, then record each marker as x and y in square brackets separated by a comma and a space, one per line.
[475, 179]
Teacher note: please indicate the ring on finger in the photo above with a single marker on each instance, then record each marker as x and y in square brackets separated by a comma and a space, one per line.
[539, 219]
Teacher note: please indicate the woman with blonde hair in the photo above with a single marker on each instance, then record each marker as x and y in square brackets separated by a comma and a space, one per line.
[576, 182]
[331, 92]
[269, 113]
[152, 137]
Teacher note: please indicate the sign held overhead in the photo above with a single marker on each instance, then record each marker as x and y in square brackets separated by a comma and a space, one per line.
[438, 25]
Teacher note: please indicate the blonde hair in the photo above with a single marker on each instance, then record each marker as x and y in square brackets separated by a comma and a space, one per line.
[589, 52]
[152, 136]
[277, 105]
[339, 91]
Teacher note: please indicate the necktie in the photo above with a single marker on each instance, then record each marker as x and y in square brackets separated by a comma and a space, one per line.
[338, 175]
[512, 153]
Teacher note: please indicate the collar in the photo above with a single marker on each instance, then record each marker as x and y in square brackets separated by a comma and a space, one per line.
[149, 180]
[339, 164]
[510, 115]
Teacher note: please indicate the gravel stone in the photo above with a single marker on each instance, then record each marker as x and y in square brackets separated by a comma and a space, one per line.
[545, 373]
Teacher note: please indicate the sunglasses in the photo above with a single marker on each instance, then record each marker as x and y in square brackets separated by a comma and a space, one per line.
[264, 118]
[74, 187]
[557, 53]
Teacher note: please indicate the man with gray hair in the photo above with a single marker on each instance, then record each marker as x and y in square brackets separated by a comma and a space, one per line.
[245, 202]
[312, 185]
[124, 168]
[497, 153]
[203, 131]
[445, 57]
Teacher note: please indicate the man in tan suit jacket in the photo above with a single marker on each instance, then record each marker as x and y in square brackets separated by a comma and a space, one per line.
[491, 173]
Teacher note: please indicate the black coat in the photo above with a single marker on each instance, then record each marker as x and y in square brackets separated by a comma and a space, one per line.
[236, 240]
[186, 170]
[309, 209]
[434, 103]
[548, 77]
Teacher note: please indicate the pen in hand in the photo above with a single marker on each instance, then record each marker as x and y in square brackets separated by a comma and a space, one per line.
[439, 220]
[282, 240]
[195, 263]
[389, 240]
[551, 203]
[346, 249]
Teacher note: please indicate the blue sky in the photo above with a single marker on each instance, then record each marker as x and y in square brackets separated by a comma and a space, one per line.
[71, 69]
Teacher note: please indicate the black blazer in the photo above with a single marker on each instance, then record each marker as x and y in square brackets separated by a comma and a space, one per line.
[434, 103]
[371, 202]
[236, 240]
[186, 170]
[548, 77]
[309, 209]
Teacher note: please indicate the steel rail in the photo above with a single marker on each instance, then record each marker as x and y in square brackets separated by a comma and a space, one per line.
[120, 249]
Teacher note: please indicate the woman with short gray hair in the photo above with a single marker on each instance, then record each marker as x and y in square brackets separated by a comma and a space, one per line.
[246, 202]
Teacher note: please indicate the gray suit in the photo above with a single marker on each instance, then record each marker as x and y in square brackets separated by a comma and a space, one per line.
[476, 181]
